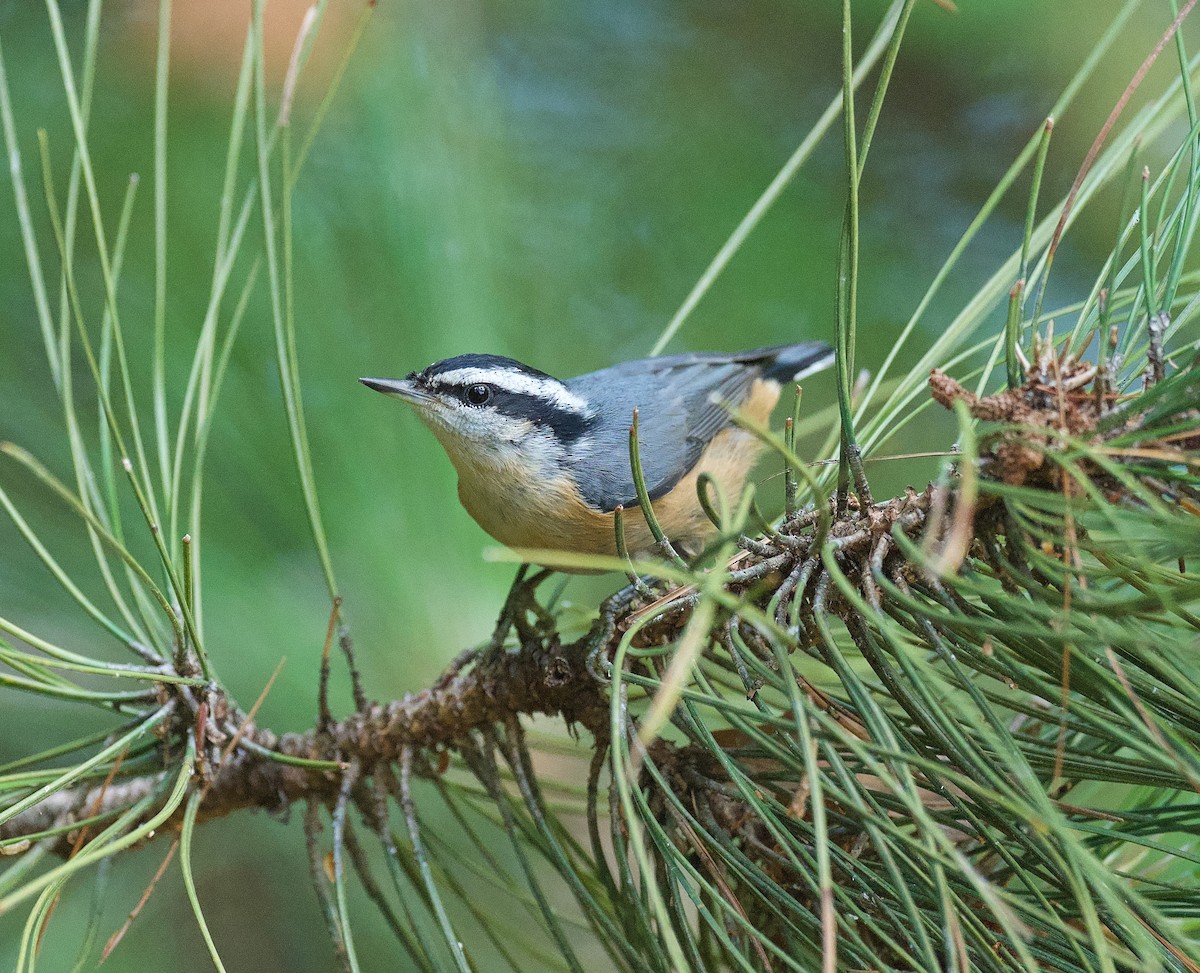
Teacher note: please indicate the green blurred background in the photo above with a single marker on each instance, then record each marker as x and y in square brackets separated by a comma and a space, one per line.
[541, 180]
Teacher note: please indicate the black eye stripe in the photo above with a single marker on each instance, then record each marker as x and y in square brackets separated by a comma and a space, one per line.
[568, 426]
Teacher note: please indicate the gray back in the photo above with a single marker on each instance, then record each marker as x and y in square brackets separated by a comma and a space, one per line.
[677, 414]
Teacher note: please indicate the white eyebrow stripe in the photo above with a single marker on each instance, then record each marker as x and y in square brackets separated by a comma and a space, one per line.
[549, 389]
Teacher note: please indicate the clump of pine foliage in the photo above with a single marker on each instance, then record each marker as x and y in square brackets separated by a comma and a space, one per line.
[954, 729]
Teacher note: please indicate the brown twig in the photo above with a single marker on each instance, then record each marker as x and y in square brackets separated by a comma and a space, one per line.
[542, 678]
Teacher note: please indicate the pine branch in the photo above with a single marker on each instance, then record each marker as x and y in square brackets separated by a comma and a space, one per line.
[994, 571]
[541, 676]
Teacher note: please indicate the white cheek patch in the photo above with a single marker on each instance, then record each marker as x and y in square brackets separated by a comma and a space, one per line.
[547, 389]
[462, 429]
[498, 453]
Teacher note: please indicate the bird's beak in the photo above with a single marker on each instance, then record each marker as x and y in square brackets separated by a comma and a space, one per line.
[399, 388]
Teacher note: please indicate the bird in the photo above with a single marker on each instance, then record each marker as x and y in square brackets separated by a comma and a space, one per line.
[544, 463]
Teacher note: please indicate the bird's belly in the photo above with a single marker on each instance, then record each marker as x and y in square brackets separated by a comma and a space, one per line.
[533, 514]
[548, 513]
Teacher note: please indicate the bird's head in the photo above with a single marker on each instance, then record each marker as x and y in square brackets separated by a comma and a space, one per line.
[488, 408]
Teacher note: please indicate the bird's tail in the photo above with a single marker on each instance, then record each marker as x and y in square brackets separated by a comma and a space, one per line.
[793, 362]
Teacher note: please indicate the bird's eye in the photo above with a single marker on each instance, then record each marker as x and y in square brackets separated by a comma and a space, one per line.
[478, 394]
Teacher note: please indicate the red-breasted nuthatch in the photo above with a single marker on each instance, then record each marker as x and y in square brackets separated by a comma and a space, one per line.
[543, 463]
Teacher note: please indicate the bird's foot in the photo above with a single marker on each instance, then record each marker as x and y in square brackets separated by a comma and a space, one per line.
[520, 603]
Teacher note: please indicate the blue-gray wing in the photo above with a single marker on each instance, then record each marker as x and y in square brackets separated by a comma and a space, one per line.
[679, 412]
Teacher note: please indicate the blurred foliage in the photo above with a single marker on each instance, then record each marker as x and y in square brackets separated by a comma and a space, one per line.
[545, 181]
